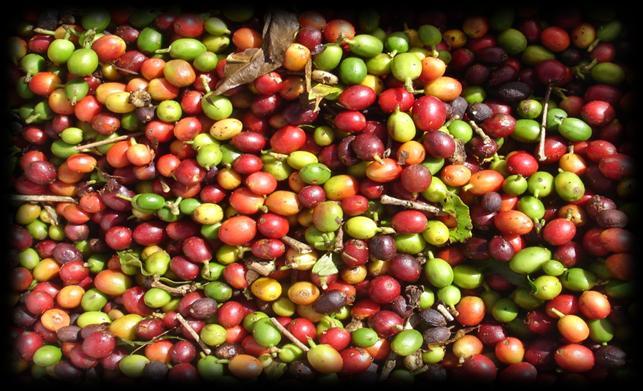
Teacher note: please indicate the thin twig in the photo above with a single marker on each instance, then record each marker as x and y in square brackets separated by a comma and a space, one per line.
[418, 205]
[442, 309]
[593, 45]
[42, 31]
[461, 333]
[193, 333]
[543, 128]
[308, 74]
[486, 139]
[151, 341]
[42, 198]
[177, 291]
[125, 70]
[389, 366]
[339, 240]
[106, 141]
[289, 335]
[301, 247]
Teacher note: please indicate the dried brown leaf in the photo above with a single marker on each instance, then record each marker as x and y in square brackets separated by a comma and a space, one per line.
[413, 293]
[244, 68]
[279, 32]
[459, 155]
[282, 27]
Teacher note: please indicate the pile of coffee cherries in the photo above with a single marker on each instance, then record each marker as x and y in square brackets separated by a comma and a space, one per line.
[232, 195]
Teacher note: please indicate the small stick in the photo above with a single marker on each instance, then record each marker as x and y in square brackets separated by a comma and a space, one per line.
[193, 333]
[418, 205]
[543, 130]
[289, 335]
[178, 291]
[339, 240]
[591, 47]
[389, 365]
[40, 30]
[151, 341]
[486, 139]
[442, 309]
[461, 333]
[42, 198]
[302, 248]
[106, 141]
[308, 74]
[164, 186]
[124, 70]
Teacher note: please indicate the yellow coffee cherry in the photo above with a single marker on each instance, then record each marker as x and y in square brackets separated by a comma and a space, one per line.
[125, 326]
[436, 233]
[296, 57]
[207, 213]
[27, 213]
[118, 102]
[373, 82]
[226, 129]
[149, 250]
[354, 275]
[266, 289]
[45, 270]
[454, 38]
[303, 292]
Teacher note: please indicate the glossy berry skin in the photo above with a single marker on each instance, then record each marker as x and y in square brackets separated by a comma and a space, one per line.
[574, 358]
[99, 345]
[355, 360]
[350, 121]
[405, 268]
[395, 98]
[338, 338]
[429, 113]
[480, 368]
[409, 221]
[522, 163]
[357, 97]
[559, 231]
[597, 113]
[384, 289]
[439, 144]
[499, 125]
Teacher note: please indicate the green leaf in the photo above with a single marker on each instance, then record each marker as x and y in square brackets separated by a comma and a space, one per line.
[322, 91]
[130, 258]
[454, 206]
[325, 266]
[531, 284]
